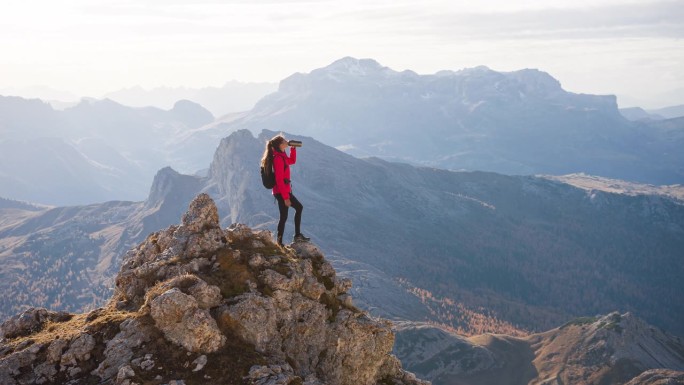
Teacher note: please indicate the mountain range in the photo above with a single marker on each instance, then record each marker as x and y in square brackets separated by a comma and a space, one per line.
[246, 311]
[93, 152]
[519, 122]
[531, 251]
[467, 252]
[232, 97]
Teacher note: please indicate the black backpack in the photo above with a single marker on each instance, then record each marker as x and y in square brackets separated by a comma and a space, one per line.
[269, 180]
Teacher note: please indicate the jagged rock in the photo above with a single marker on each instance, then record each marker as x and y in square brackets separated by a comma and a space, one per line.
[346, 299]
[157, 259]
[288, 325]
[119, 350]
[79, 350]
[201, 214]
[312, 289]
[178, 315]
[199, 363]
[193, 285]
[253, 318]
[54, 351]
[312, 380]
[366, 346]
[73, 371]
[272, 375]
[11, 366]
[307, 250]
[45, 372]
[124, 373]
[238, 232]
[207, 296]
[144, 363]
[277, 281]
[30, 321]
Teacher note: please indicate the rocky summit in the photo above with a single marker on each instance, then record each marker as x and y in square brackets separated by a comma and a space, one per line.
[198, 304]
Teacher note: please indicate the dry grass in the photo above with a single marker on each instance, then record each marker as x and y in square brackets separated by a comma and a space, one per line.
[67, 330]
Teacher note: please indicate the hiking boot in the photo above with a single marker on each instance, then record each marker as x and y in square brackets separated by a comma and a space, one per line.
[279, 239]
[300, 238]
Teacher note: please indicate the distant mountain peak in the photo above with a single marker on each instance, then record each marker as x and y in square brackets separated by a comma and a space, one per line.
[473, 70]
[355, 67]
[191, 114]
[537, 80]
[349, 61]
[170, 187]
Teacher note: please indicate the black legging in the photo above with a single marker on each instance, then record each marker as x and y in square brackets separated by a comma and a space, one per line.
[283, 213]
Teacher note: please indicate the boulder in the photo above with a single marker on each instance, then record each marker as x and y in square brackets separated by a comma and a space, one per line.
[183, 322]
[30, 321]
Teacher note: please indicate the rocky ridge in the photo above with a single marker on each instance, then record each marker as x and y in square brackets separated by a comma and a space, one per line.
[196, 303]
[611, 349]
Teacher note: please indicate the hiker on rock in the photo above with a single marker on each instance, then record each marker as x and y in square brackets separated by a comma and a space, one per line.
[275, 160]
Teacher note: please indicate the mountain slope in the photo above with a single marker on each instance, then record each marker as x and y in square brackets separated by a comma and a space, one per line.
[530, 251]
[533, 252]
[483, 239]
[612, 349]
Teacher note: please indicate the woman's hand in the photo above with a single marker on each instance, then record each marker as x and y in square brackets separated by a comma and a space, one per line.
[288, 203]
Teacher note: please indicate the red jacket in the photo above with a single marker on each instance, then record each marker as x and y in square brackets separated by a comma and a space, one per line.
[280, 159]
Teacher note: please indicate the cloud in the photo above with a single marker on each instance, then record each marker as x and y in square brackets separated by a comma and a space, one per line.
[655, 19]
[599, 46]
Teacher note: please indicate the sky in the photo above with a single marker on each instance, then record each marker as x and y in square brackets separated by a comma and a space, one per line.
[633, 49]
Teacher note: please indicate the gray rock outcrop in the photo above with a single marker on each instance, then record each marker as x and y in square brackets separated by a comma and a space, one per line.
[30, 321]
[179, 316]
[198, 303]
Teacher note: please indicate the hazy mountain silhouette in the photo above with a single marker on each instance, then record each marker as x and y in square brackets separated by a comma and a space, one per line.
[638, 113]
[93, 152]
[519, 122]
[669, 112]
[234, 96]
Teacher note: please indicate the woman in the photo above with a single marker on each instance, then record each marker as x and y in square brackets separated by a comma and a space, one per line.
[276, 160]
